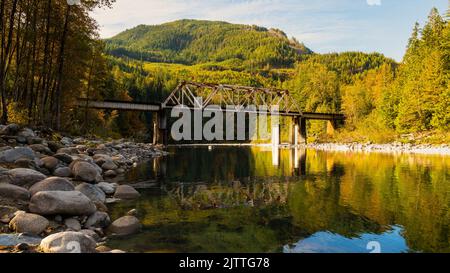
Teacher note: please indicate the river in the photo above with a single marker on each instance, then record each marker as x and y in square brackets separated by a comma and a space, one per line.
[255, 199]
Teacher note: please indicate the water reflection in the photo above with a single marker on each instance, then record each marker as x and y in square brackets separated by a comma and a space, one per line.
[237, 200]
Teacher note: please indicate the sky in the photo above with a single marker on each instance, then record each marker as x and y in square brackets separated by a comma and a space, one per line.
[322, 25]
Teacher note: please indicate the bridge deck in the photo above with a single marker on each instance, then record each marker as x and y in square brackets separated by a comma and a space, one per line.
[145, 107]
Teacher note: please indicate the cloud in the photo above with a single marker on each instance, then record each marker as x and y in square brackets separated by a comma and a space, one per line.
[374, 2]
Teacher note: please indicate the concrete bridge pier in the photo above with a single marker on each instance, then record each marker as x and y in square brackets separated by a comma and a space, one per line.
[160, 128]
[299, 136]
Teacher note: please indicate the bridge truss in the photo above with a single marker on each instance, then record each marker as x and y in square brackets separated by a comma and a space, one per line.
[201, 95]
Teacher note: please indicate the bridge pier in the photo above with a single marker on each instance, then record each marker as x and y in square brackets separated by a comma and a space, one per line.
[276, 135]
[302, 136]
[160, 128]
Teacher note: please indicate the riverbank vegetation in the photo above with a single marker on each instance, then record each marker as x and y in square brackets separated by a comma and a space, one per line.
[51, 55]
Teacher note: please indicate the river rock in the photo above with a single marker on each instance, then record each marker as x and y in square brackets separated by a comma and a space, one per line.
[26, 133]
[52, 184]
[61, 202]
[100, 159]
[14, 192]
[92, 191]
[10, 129]
[41, 148]
[28, 223]
[85, 171]
[10, 240]
[126, 192]
[66, 141]
[72, 224]
[11, 155]
[126, 225]
[50, 162]
[7, 213]
[109, 165]
[68, 242]
[22, 177]
[98, 220]
[63, 172]
[110, 173]
[66, 158]
[91, 233]
[106, 187]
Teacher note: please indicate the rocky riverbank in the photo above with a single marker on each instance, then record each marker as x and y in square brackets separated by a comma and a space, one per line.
[395, 148]
[54, 190]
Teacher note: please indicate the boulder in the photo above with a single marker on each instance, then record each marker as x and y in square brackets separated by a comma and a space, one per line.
[72, 224]
[98, 220]
[25, 163]
[91, 233]
[92, 191]
[63, 172]
[109, 165]
[66, 158]
[54, 146]
[50, 162]
[68, 242]
[110, 173]
[126, 225]
[100, 159]
[126, 192]
[7, 213]
[28, 223]
[10, 240]
[41, 148]
[66, 141]
[10, 129]
[26, 133]
[61, 202]
[106, 187]
[52, 184]
[84, 171]
[22, 177]
[14, 192]
[12, 155]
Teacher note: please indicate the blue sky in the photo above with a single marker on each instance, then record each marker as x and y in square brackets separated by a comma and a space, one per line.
[323, 25]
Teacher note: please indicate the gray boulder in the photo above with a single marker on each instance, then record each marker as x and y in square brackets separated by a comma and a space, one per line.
[28, 223]
[41, 148]
[98, 220]
[68, 242]
[126, 225]
[10, 129]
[106, 187]
[52, 184]
[63, 172]
[84, 171]
[26, 133]
[14, 192]
[22, 177]
[12, 155]
[109, 165]
[64, 157]
[126, 192]
[61, 202]
[72, 224]
[92, 191]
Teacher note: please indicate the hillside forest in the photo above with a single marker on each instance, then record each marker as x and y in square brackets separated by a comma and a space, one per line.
[51, 54]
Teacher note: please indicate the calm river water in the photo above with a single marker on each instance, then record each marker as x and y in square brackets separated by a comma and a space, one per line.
[243, 199]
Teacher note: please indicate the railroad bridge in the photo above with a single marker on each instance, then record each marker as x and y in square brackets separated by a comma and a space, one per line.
[198, 96]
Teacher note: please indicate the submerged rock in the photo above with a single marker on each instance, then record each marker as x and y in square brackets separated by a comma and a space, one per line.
[61, 202]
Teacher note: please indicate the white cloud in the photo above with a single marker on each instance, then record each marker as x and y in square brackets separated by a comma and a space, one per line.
[374, 2]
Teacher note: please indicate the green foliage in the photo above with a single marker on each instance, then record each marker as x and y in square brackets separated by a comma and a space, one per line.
[194, 42]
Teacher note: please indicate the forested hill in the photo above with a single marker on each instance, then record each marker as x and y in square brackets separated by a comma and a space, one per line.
[194, 42]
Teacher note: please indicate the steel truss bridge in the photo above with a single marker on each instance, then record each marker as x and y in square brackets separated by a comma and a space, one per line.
[230, 98]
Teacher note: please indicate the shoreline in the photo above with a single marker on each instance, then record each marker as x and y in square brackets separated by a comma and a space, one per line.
[389, 148]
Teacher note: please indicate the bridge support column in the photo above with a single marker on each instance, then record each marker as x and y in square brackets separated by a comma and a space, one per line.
[302, 131]
[160, 129]
[276, 135]
[295, 132]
